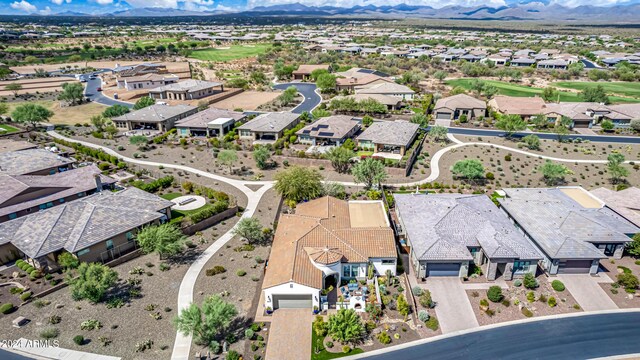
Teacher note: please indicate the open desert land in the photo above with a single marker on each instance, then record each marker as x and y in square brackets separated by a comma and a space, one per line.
[66, 115]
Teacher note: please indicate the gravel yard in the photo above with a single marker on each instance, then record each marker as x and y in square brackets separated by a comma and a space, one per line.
[617, 293]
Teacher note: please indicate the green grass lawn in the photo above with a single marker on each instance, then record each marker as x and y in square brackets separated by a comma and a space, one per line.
[7, 129]
[178, 215]
[510, 89]
[631, 89]
[233, 53]
[364, 153]
[324, 354]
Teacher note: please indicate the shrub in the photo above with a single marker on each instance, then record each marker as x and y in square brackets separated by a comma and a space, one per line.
[557, 285]
[417, 291]
[495, 294]
[329, 344]
[50, 333]
[423, 315]
[215, 270]
[526, 312]
[25, 296]
[531, 297]
[6, 308]
[248, 334]
[517, 283]
[78, 339]
[35, 274]
[426, 300]
[432, 323]
[90, 324]
[552, 301]
[241, 273]
[384, 338]
[233, 355]
[16, 290]
[530, 281]
[54, 319]
[506, 303]
[346, 349]
[484, 303]
[490, 312]
[628, 281]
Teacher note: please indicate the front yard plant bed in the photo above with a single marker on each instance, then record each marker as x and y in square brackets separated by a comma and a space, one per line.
[518, 302]
[319, 350]
[34, 284]
[616, 292]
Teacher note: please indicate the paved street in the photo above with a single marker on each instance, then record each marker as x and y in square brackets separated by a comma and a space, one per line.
[548, 136]
[587, 291]
[290, 335]
[91, 91]
[577, 337]
[308, 90]
[453, 308]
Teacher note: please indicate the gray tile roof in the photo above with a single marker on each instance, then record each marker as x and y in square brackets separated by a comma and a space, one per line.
[625, 202]
[156, 113]
[186, 86]
[8, 145]
[204, 117]
[58, 186]
[563, 228]
[270, 122]
[80, 224]
[331, 127]
[443, 226]
[399, 132]
[30, 161]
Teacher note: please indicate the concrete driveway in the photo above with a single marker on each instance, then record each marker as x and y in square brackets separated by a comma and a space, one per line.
[290, 335]
[587, 291]
[453, 308]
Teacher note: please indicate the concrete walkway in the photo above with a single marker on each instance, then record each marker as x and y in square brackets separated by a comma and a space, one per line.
[290, 335]
[453, 308]
[587, 291]
[33, 351]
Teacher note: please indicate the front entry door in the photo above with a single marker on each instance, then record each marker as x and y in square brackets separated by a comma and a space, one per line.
[610, 249]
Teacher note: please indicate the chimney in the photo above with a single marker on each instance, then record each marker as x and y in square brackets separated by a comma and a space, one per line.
[98, 183]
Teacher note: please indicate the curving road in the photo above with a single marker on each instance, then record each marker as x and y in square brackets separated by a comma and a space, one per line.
[548, 136]
[308, 90]
[585, 336]
[91, 92]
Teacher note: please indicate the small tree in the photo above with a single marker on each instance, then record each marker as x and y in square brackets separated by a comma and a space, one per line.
[595, 94]
[340, 158]
[115, 111]
[13, 87]
[326, 82]
[470, 169]
[72, 92]
[495, 294]
[616, 168]
[532, 142]
[346, 326]
[439, 133]
[633, 248]
[298, 183]
[261, 156]
[207, 322]
[91, 281]
[4, 108]
[403, 306]
[529, 281]
[144, 102]
[553, 173]
[165, 239]
[99, 122]
[68, 261]
[228, 157]
[511, 124]
[550, 94]
[440, 75]
[249, 229]
[635, 124]
[420, 119]
[607, 125]
[369, 172]
[31, 114]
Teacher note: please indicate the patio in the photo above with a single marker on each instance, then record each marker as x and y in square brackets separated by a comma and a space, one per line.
[387, 155]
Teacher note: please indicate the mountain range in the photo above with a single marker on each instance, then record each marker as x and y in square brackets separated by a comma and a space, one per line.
[523, 10]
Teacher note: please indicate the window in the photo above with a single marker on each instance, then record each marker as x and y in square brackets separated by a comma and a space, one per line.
[49, 204]
[61, 201]
[109, 244]
[42, 206]
[521, 267]
[393, 261]
[350, 270]
[80, 194]
[82, 252]
[13, 216]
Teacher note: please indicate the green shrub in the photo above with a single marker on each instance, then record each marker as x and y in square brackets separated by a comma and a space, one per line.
[50, 333]
[384, 338]
[25, 296]
[54, 319]
[241, 273]
[506, 303]
[90, 324]
[552, 301]
[78, 339]
[484, 303]
[417, 291]
[557, 285]
[530, 281]
[432, 323]
[346, 349]
[215, 270]
[426, 300]
[526, 312]
[16, 290]
[531, 296]
[35, 274]
[628, 281]
[495, 294]
[423, 315]
[517, 283]
[6, 308]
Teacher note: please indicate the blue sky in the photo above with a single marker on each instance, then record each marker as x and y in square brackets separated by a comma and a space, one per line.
[105, 6]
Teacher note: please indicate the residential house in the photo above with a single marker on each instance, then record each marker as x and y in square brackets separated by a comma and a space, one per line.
[34, 162]
[326, 243]
[391, 102]
[452, 107]
[99, 227]
[556, 64]
[526, 107]
[329, 131]
[187, 90]
[522, 62]
[211, 122]
[268, 127]
[449, 233]
[139, 69]
[304, 71]
[358, 77]
[22, 195]
[155, 117]
[388, 138]
[388, 89]
[572, 229]
[9, 145]
[625, 203]
[579, 113]
[146, 81]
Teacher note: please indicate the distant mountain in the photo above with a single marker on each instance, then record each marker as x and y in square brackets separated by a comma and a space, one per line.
[156, 12]
[71, 13]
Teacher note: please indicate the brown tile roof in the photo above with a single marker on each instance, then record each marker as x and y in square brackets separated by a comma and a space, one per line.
[320, 231]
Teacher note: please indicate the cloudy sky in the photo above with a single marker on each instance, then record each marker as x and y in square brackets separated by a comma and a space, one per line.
[105, 6]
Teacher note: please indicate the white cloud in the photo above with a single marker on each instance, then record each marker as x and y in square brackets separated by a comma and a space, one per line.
[24, 6]
[351, 3]
[45, 11]
[173, 4]
[60, 2]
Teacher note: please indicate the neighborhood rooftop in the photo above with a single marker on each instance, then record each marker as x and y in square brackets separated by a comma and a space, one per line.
[335, 127]
[30, 160]
[270, 122]
[625, 202]
[399, 132]
[205, 117]
[187, 86]
[155, 113]
[566, 223]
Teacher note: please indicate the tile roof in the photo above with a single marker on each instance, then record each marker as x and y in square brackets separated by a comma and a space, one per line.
[30, 160]
[625, 202]
[563, 228]
[517, 105]
[320, 231]
[80, 224]
[49, 188]
[399, 132]
[460, 101]
[331, 127]
[270, 122]
[204, 117]
[8, 145]
[156, 113]
[188, 86]
[384, 88]
[443, 226]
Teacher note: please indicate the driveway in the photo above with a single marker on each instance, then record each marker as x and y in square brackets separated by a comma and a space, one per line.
[308, 90]
[453, 308]
[290, 335]
[587, 292]
[91, 91]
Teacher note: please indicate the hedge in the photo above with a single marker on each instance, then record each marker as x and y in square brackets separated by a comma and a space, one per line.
[162, 183]
[25, 296]
[208, 212]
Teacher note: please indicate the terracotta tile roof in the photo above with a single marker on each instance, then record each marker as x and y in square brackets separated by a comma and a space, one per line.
[320, 232]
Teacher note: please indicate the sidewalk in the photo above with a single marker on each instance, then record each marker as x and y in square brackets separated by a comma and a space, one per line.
[25, 348]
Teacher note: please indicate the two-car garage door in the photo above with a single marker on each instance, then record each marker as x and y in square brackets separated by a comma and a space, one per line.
[292, 302]
[443, 269]
[574, 267]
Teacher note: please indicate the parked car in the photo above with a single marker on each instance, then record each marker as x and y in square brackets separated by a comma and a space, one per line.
[99, 89]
